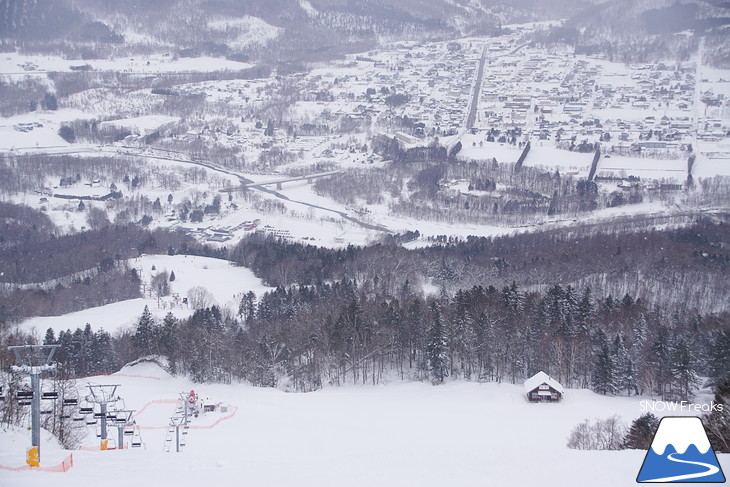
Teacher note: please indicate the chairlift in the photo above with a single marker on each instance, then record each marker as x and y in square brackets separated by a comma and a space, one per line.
[90, 421]
[24, 403]
[99, 415]
[111, 416]
[86, 410]
[136, 444]
[70, 402]
[49, 395]
[128, 431]
[65, 416]
[47, 411]
[121, 419]
[24, 394]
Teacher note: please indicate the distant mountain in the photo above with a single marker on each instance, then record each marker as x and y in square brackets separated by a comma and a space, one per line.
[648, 30]
[256, 29]
[290, 30]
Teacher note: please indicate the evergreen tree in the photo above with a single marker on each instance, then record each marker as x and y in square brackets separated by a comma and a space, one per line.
[172, 276]
[720, 352]
[624, 366]
[717, 423]
[144, 335]
[437, 349]
[683, 369]
[247, 306]
[513, 299]
[641, 432]
[50, 102]
[660, 361]
[603, 378]
[102, 355]
[50, 338]
[169, 345]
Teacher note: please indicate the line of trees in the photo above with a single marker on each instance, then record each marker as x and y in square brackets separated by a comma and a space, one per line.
[302, 337]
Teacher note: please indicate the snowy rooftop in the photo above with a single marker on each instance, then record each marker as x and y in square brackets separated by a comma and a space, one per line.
[542, 378]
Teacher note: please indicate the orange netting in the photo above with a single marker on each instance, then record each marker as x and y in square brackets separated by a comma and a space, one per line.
[64, 466]
[196, 427]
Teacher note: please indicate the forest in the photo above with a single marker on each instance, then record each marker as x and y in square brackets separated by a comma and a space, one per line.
[577, 306]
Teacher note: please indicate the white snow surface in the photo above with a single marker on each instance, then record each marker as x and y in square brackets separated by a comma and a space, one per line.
[400, 434]
[681, 433]
[225, 282]
[14, 64]
[142, 125]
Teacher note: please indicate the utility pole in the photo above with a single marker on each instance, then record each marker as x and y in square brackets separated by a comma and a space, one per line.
[34, 360]
[102, 394]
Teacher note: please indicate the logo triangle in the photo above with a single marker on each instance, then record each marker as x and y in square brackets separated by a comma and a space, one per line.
[680, 452]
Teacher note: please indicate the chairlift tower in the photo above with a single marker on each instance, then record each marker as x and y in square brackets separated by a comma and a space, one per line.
[34, 360]
[122, 422]
[176, 422]
[102, 394]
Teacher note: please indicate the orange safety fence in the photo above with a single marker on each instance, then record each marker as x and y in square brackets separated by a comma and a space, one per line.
[99, 448]
[157, 401]
[220, 420]
[64, 466]
[196, 427]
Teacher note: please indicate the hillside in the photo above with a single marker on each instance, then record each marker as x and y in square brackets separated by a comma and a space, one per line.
[258, 30]
[402, 434]
[639, 31]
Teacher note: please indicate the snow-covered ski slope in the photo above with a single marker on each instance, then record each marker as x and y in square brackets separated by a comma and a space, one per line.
[401, 434]
[225, 282]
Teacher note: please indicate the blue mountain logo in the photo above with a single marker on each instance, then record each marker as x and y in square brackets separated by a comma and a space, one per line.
[680, 452]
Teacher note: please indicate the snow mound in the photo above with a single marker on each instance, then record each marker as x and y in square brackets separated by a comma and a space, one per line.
[14, 440]
[151, 366]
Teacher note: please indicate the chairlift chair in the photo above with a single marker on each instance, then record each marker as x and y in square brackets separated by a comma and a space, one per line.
[86, 410]
[70, 402]
[78, 418]
[24, 403]
[90, 421]
[49, 395]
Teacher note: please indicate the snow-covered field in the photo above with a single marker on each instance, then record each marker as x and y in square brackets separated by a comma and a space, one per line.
[225, 282]
[401, 434]
[21, 64]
